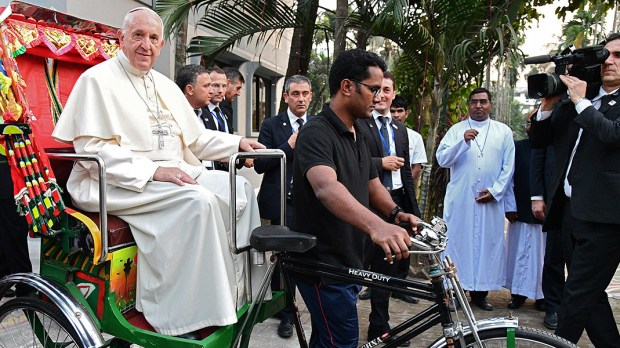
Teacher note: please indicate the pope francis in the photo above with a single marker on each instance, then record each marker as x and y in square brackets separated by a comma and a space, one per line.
[142, 126]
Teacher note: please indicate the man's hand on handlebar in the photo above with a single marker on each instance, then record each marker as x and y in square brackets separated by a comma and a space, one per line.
[393, 239]
[409, 222]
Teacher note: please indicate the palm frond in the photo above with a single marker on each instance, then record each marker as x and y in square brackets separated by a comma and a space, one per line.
[232, 21]
[175, 12]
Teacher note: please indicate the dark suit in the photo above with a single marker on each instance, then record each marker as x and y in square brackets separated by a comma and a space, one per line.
[211, 123]
[14, 256]
[521, 181]
[274, 134]
[379, 300]
[369, 127]
[553, 277]
[227, 109]
[591, 217]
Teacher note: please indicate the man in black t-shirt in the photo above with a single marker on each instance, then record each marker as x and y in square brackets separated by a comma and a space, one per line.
[334, 185]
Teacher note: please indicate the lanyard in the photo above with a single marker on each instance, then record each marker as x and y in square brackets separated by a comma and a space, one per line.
[216, 116]
[385, 144]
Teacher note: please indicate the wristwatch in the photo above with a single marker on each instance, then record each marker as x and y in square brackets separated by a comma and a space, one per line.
[393, 213]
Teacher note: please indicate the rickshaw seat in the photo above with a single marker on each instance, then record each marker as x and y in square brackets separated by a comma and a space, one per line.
[281, 238]
[119, 233]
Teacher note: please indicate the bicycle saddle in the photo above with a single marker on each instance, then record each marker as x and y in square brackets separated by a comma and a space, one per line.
[281, 238]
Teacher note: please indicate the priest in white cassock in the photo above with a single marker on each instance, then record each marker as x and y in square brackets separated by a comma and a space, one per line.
[142, 126]
[480, 155]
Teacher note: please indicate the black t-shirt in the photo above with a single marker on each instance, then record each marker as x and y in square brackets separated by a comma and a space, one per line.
[325, 140]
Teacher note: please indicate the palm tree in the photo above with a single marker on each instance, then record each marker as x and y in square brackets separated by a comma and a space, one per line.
[447, 44]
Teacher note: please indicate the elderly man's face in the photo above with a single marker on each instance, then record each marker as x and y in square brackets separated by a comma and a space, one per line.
[142, 40]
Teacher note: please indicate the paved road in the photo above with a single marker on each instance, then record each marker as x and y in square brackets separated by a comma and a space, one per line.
[264, 334]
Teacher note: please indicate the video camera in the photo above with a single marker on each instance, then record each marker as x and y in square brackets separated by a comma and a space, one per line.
[586, 66]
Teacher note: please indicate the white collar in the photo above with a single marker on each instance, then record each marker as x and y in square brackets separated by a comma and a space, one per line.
[122, 58]
[376, 115]
[602, 93]
[213, 106]
[292, 118]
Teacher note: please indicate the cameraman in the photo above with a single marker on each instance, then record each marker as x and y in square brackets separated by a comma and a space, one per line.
[584, 130]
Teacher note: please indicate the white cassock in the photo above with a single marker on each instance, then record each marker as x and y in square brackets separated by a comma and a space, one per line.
[417, 153]
[476, 230]
[525, 255]
[187, 277]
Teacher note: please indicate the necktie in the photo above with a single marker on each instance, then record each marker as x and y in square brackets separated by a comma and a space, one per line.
[220, 119]
[300, 122]
[385, 139]
[198, 112]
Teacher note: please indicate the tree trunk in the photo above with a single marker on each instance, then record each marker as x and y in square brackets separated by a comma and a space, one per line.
[361, 38]
[301, 42]
[340, 32]
[180, 47]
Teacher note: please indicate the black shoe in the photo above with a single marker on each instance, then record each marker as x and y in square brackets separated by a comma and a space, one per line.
[483, 304]
[194, 335]
[540, 305]
[364, 294]
[516, 302]
[551, 320]
[285, 329]
[9, 293]
[406, 298]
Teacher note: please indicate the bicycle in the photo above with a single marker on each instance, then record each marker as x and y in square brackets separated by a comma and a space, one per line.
[431, 241]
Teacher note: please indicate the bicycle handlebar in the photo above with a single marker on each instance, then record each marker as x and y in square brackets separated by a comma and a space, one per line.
[430, 237]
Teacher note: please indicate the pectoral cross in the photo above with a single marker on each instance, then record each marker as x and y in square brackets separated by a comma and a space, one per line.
[160, 132]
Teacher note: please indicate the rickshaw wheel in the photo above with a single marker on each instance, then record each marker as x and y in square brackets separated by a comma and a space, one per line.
[32, 322]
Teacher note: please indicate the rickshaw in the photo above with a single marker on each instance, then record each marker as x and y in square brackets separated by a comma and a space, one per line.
[84, 294]
[88, 268]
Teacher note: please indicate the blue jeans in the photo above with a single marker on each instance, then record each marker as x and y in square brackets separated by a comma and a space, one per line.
[333, 313]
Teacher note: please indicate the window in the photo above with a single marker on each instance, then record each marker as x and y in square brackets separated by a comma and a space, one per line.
[261, 101]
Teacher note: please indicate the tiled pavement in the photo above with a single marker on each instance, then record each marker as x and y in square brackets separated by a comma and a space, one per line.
[265, 335]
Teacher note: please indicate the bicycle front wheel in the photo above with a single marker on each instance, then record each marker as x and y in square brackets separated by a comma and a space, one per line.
[31, 322]
[519, 337]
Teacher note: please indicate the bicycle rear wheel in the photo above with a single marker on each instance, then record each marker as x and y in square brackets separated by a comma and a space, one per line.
[32, 322]
[519, 337]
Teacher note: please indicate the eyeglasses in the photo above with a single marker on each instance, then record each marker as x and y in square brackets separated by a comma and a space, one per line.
[374, 90]
[475, 102]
